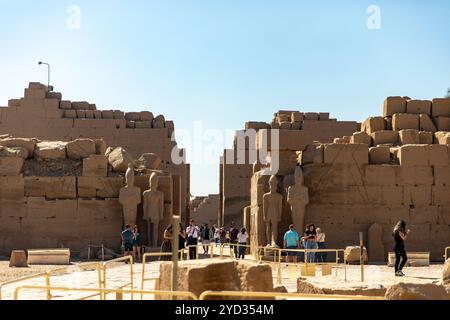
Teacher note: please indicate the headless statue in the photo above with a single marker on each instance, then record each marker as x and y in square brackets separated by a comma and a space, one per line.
[272, 208]
[153, 209]
[298, 198]
[130, 198]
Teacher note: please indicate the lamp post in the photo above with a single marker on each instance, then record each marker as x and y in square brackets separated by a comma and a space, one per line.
[48, 74]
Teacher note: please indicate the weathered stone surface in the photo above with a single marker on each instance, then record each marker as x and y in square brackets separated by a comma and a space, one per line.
[446, 273]
[50, 150]
[361, 138]
[10, 166]
[414, 155]
[100, 187]
[18, 152]
[18, 259]
[442, 137]
[150, 161]
[419, 107]
[393, 105]
[95, 166]
[426, 137]
[51, 188]
[409, 136]
[346, 153]
[352, 255]
[80, 148]
[305, 287]
[426, 124]
[229, 275]
[385, 137]
[49, 257]
[28, 144]
[119, 159]
[375, 243]
[373, 124]
[441, 107]
[402, 121]
[380, 155]
[408, 291]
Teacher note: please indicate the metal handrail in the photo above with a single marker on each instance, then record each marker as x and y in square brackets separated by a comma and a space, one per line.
[33, 276]
[121, 259]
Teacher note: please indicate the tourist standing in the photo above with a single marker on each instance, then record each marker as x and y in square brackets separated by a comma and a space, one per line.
[216, 235]
[166, 245]
[310, 242]
[291, 242]
[192, 233]
[127, 240]
[137, 244]
[321, 256]
[223, 235]
[400, 233]
[206, 238]
[242, 239]
[234, 239]
[181, 241]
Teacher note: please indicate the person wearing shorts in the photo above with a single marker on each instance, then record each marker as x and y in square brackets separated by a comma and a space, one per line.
[291, 242]
[127, 240]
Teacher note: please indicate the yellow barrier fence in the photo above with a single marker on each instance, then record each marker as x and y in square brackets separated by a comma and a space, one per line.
[254, 295]
[104, 291]
[130, 261]
[33, 276]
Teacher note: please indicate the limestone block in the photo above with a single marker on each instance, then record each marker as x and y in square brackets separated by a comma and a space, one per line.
[413, 175]
[100, 146]
[373, 124]
[95, 166]
[131, 124]
[361, 138]
[49, 257]
[409, 136]
[93, 107]
[51, 187]
[324, 116]
[70, 114]
[54, 95]
[150, 161]
[393, 105]
[414, 155]
[199, 276]
[158, 123]
[410, 291]
[97, 114]
[380, 155]
[81, 114]
[80, 105]
[340, 141]
[402, 121]
[296, 125]
[346, 153]
[11, 188]
[256, 125]
[285, 125]
[388, 123]
[425, 137]
[100, 187]
[440, 195]
[143, 124]
[14, 103]
[145, 116]
[375, 243]
[297, 116]
[385, 137]
[287, 161]
[132, 116]
[442, 123]
[441, 108]
[13, 152]
[80, 148]
[18, 259]
[442, 137]
[438, 155]
[442, 176]
[418, 107]
[11, 166]
[119, 114]
[35, 94]
[380, 175]
[392, 196]
[352, 255]
[419, 196]
[107, 114]
[66, 105]
[426, 124]
[47, 150]
[312, 154]
[311, 116]
[119, 159]
[89, 114]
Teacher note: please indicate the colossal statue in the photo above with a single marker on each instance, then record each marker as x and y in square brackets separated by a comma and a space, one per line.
[130, 198]
[153, 209]
[272, 208]
[298, 198]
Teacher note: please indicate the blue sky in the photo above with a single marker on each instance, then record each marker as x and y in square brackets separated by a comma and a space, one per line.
[227, 62]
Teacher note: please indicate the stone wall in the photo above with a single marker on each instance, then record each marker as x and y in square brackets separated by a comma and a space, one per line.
[46, 116]
[368, 181]
[296, 131]
[204, 209]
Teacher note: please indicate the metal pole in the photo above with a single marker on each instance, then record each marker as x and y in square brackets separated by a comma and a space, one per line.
[361, 254]
[176, 230]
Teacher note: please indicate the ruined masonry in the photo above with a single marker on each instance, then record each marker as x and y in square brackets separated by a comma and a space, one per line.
[296, 129]
[395, 168]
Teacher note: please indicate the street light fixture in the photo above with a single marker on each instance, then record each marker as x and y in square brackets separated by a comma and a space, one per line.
[50, 88]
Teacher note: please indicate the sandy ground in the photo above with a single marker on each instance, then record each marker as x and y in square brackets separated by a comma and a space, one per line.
[377, 279]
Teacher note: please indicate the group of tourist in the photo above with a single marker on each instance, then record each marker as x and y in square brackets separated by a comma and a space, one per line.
[312, 239]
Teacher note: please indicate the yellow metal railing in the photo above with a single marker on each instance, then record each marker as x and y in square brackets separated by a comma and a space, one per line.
[105, 291]
[104, 268]
[446, 253]
[274, 295]
[33, 276]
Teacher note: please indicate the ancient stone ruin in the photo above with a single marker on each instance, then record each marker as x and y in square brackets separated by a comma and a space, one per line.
[296, 129]
[396, 167]
[204, 209]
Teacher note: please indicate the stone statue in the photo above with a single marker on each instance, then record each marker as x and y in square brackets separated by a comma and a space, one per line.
[153, 209]
[298, 198]
[130, 198]
[272, 208]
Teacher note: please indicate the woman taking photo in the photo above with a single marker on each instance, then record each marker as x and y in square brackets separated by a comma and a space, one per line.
[400, 233]
[310, 240]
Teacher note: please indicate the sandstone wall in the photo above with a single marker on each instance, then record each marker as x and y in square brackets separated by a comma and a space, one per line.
[204, 209]
[46, 116]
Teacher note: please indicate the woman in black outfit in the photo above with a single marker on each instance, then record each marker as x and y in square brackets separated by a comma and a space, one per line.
[400, 233]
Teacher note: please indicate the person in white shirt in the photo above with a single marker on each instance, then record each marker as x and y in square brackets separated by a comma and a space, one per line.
[192, 233]
[242, 238]
[321, 256]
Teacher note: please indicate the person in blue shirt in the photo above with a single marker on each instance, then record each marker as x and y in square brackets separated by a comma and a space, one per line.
[291, 241]
[127, 240]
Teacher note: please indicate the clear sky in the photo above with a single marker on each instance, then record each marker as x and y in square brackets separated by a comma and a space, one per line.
[225, 62]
